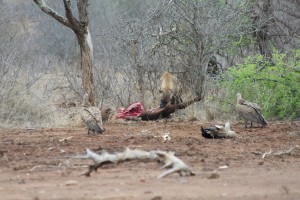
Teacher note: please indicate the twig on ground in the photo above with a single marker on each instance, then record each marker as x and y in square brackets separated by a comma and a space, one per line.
[4, 157]
[257, 153]
[35, 167]
[65, 139]
[54, 148]
[168, 158]
[46, 166]
[266, 153]
[279, 153]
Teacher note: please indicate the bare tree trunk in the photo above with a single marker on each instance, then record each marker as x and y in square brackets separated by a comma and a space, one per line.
[200, 59]
[139, 68]
[80, 28]
[261, 20]
[87, 64]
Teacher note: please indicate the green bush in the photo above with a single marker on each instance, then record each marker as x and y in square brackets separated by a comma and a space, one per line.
[275, 86]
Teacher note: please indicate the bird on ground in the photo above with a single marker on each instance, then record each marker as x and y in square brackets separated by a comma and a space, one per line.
[91, 116]
[217, 132]
[249, 111]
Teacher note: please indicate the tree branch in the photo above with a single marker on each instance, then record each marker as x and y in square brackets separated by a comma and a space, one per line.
[77, 26]
[69, 14]
[82, 7]
[45, 8]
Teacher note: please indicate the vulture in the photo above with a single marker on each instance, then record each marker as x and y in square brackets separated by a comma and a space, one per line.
[249, 111]
[218, 132]
[91, 116]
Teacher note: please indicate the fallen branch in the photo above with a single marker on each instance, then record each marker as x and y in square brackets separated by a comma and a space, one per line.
[174, 163]
[166, 111]
[266, 153]
[279, 153]
[45, 166]
[168, 158]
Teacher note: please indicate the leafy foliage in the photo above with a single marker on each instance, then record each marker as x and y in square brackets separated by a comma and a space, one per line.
[274, 85]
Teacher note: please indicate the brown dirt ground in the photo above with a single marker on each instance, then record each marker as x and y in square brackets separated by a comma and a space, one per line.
[36, 164]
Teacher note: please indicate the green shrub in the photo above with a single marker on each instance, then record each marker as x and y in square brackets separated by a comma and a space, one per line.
[275, 86]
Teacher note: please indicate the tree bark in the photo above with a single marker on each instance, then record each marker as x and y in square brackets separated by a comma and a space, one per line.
[80, 28]
[261, 20]
[87, 66]
[138, 67]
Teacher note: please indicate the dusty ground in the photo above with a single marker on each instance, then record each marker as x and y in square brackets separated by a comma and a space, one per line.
[37, 164]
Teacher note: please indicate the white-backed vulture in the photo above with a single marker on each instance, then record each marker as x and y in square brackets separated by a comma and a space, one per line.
[249, 111]
[218, 132]
[91, 116]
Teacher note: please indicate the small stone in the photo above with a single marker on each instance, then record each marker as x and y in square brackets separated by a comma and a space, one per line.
[142, 180]
[214, 175]
[223, 167]
[71, 182]
[261, 163]
[157, 198]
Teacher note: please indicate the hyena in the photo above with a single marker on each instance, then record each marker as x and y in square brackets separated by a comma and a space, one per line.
[170, 89]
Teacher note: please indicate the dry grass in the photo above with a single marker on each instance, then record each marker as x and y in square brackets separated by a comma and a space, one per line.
[51, 102]
[22, 109]
[32, 107]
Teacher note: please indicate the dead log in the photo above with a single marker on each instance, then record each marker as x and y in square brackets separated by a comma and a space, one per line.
[168, 158]
[166, 111]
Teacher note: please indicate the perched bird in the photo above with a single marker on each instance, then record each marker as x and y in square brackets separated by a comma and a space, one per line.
[218, 132]
[91, 117]
[249, 111]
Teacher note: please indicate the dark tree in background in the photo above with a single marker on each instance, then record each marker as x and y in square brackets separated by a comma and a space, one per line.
[80, 28]
[275, 24]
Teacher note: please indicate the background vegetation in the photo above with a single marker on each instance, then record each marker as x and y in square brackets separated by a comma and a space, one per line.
[274, 85]
[215, 47]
